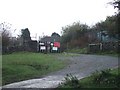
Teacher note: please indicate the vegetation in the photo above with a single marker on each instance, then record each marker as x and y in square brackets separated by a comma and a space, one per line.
[78, 50]
[5, 34]
[103, 79]
[70, 82]
[80, 35]
[85, 51]
[74, 36]
[24, 65]
[110, 53]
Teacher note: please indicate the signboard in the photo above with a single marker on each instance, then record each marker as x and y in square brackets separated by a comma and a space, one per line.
[55, 48]
[41, 43]
[56, 44]
[42, 48]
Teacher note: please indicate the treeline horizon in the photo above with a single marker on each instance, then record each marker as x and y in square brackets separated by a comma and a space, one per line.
[75, 35]
[80, 35]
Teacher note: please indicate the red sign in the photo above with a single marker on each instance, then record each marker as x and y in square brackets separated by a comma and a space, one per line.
[56, 44]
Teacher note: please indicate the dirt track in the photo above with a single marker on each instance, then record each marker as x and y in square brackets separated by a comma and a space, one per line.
[85, 64]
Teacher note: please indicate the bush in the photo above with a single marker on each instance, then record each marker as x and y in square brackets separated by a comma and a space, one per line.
[70, 82]
[105, 77]
[100, 77]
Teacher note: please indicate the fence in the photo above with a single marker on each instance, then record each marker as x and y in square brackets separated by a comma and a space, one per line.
[106, 46]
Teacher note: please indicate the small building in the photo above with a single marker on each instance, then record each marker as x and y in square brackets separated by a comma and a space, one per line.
[50, 44]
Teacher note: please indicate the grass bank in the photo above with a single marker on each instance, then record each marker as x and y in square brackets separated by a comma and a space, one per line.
[103, 79]
[85, 51]
[77, 50]
[26, 65]
[109, 53]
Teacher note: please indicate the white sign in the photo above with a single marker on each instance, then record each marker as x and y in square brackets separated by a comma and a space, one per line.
[55, 48]
[42, 48]
[41, 43]
[51, 44]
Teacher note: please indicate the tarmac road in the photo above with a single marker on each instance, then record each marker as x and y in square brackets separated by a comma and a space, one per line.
[79, 65]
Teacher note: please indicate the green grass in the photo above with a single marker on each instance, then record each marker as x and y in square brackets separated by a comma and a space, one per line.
[26, 65]
[85, 51]
[77, 50]
[101, 79]
[109, 53]
[65, 54]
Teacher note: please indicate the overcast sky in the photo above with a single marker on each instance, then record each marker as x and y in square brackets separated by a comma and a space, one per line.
[47, 16]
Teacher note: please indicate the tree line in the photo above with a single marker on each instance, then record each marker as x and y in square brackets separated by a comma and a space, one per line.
[79, 35]
[76, 35]
[9, 42]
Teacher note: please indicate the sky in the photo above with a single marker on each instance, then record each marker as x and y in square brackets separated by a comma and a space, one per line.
[43, 17]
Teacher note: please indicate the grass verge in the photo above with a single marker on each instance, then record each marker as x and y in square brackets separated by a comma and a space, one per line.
[109, 53]
[103, 79]
[26, 65]
[77, 50]
[85, 51]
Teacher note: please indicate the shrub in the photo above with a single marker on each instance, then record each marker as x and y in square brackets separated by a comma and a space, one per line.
[70, 82]
[105, 77]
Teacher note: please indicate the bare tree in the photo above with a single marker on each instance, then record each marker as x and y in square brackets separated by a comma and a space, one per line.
[5, 35]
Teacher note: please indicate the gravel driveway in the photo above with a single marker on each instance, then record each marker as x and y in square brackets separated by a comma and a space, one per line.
[79, 65]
